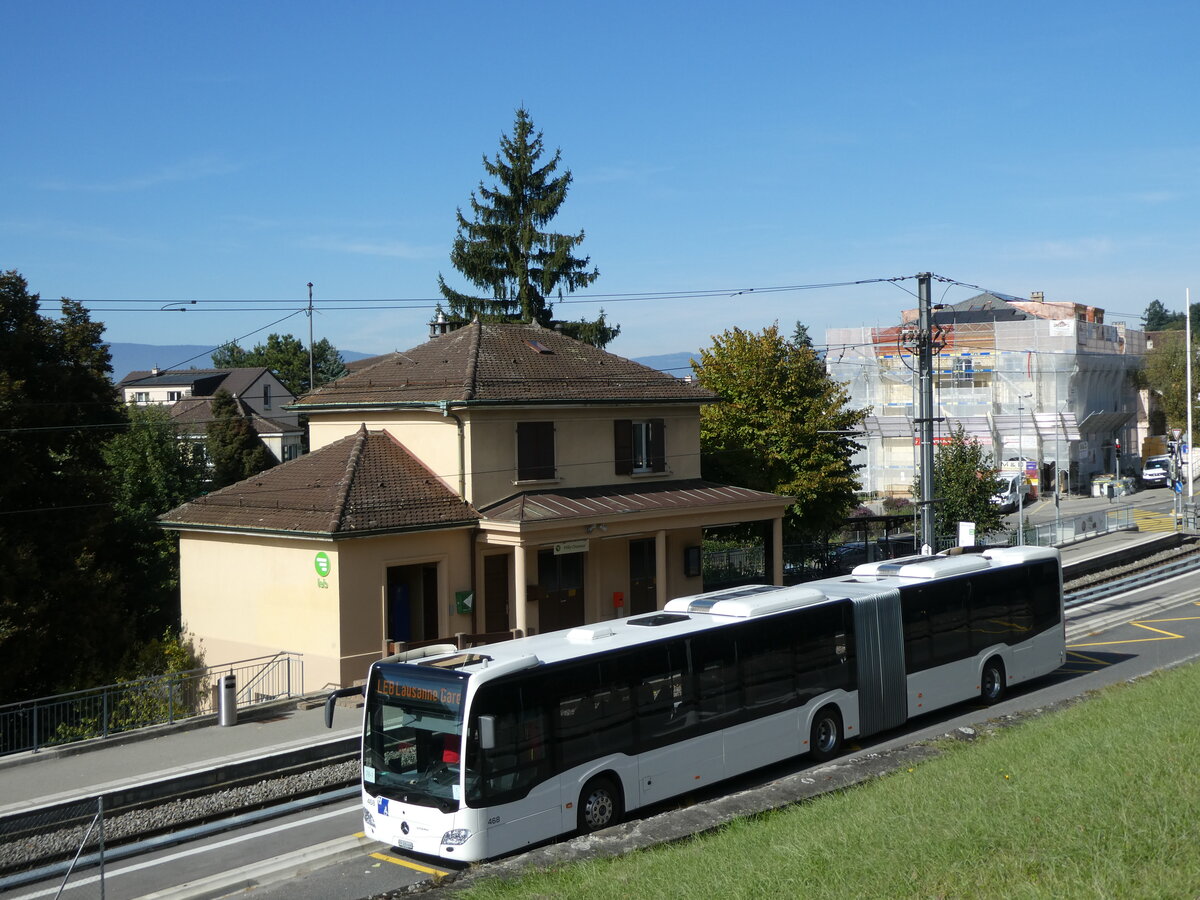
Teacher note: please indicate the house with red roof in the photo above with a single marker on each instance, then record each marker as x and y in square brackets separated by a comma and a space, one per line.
[498, 478]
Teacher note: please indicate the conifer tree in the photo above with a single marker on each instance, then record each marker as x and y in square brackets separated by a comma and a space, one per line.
[504, 250]
[234, 449]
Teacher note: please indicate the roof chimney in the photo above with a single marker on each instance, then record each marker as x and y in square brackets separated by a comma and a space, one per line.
[438, 325]
[1037, 297]
[154, 371]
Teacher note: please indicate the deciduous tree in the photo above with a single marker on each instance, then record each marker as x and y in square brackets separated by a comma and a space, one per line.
[782, 425]
[152, 471]
[287, 357]
[64, 612]
[964, 482]
[505, 251]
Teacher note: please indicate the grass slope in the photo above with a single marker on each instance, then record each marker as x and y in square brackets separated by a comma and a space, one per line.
[1100, 800]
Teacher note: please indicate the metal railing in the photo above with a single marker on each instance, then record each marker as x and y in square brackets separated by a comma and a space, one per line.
[112, 709]
[1073, 528]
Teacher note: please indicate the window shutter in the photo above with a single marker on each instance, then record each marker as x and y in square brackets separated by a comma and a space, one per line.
[623, 446]
[535, 451]
[658, 445]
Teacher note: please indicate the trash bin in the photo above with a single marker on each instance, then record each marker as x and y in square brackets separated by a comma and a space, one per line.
[227, 700]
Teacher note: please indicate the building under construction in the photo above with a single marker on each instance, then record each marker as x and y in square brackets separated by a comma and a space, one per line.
[1043, 386]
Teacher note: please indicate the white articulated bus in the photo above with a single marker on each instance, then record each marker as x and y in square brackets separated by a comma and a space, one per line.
[470, 754]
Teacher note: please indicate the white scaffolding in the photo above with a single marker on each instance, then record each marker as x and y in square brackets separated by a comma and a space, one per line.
[1051, 395]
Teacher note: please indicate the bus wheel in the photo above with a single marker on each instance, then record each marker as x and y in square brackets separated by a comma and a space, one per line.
[825, 742]
[992, 687]
[599, 805]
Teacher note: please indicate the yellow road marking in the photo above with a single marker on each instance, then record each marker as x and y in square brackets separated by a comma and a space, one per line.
[1091, 659]
[1157, 630]
[1134, 641]
[408, 865]
[1141, 623]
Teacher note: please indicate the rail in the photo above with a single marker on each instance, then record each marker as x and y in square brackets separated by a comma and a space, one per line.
[111, 709]
[1136, 580]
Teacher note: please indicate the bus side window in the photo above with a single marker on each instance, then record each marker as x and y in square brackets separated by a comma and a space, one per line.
[519, 759]
[767, 656]
[914, 608]
[715, 660]
[664, 696]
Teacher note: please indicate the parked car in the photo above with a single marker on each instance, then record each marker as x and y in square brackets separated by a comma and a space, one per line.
[1156, 471]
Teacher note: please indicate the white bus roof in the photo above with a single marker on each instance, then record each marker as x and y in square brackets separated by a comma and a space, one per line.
[702, 612]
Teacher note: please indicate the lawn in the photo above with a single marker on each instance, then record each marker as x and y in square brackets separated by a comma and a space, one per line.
[1100, 800]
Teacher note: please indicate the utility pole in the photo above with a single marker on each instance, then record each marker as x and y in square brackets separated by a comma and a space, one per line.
[925, 416]
[1190, 397]
[311, 384]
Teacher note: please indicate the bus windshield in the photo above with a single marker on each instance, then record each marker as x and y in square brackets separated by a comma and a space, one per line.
[412, 745]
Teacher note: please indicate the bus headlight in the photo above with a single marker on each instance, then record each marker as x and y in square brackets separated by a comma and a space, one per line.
[456, 836]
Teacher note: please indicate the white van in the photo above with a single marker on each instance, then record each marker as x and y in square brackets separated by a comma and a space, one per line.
[1157, 471]
[1013, 491]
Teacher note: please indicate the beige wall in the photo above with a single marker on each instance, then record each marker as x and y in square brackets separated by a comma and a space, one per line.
[429, 436]
[583, 443]
[364, 585]
[248, 596]
[583, 447]
[245, 596]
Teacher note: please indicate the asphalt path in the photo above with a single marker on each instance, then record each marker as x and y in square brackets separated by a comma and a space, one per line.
[320, 854]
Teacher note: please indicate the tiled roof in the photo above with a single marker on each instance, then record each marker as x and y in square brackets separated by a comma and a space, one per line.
[502, 363]
[366, 483]
[204, 382]
[194, 414]
[613, 500]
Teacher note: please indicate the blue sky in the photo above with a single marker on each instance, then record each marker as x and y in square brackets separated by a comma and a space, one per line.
[161, 152]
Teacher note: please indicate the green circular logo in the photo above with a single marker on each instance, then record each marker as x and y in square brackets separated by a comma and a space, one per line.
[322, 564]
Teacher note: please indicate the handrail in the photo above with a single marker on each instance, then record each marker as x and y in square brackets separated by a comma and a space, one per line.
[109, 709]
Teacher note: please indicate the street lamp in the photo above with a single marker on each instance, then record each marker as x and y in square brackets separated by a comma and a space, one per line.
[1021, 398]
[176, 306]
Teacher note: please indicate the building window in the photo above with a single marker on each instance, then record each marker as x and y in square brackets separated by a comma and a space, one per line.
[266, 396]
[173, 396]
[639, 446]
[535, 451]
[141, 396]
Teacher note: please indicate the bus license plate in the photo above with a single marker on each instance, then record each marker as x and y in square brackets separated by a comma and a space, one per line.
[404, 845]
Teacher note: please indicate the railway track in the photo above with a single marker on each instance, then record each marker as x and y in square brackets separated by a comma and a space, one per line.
[37, 843]
[1104, 581]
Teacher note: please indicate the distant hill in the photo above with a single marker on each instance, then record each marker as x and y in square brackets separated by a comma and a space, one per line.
[128, 358]
[677, 364]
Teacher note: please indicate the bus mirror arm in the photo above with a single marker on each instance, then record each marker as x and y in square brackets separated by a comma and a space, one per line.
[360, 690]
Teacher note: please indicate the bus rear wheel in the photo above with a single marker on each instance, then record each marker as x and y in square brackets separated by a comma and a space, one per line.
[599, 805]
[825, 741]
[991, 687]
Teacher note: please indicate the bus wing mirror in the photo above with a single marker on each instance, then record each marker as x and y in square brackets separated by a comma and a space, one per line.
[487, 732]
[361, 691]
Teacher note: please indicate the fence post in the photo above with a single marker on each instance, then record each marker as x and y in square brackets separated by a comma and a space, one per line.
[36, 742]
[171, 701]
[104, 714]
[100, 813]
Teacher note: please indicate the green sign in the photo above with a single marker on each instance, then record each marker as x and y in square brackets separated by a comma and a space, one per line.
[464, 601]
[322, 564]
